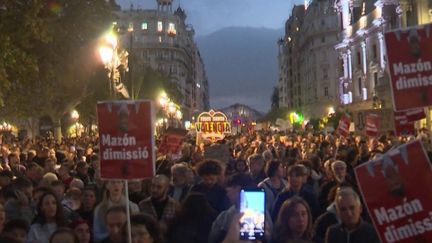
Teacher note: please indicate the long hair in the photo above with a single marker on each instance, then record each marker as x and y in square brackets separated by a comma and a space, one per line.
[60, 219]
[282, 232]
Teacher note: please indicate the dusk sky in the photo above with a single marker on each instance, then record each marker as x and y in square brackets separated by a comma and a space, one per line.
[210, 15]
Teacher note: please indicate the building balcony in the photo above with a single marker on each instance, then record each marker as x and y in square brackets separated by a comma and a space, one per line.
[366, 22]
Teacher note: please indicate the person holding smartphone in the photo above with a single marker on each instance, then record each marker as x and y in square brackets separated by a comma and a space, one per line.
[223, 228]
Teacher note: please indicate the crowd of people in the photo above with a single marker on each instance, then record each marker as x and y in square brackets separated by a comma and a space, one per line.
[51, 191]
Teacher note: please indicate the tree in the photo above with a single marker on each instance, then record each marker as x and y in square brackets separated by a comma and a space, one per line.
[61, 54]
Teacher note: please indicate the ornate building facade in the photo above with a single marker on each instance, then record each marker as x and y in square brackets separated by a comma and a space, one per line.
[161, 39]
[307, 60]
[364, 85]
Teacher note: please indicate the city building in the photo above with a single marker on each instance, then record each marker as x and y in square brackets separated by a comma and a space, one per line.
[364, 85]
[161, 39]
[307, 60]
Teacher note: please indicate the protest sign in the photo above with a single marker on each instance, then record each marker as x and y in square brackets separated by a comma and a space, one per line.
[126, 139]
[212, 125]
[410, 66]
[172, 141]
[344, 125]
[372, 125]
[396, 190]
[404, 121]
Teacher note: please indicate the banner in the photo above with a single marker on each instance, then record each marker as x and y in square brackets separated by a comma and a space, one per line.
[172, 141]
[344, 125]
[126, 139]
[396, 190]
[409, 54]
[372, 125]
[212, 125]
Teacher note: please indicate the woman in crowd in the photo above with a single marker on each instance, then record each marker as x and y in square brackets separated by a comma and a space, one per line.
[294, 222]
[81, 230]
[89, 200]
[64, 235]
[113, 196]
[49, 217]
[145, 229]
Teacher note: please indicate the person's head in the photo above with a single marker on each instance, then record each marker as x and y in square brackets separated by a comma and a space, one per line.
[267, 155]
[89, 198]
[5, 178]
[63, 171]
[159, 187]
[64, 235]
[339, 169]
[235, 183]
[78, 183]
[17, 229]
[34, 172]
[47, 179]
[115, 220]
[180, 173]
[209, 171]
[145, 229]
[24, 185]
[296, 175]
[348, 207]
[274, 169]
[256, 163]
[393, 179]
[241, 166]
[114, 188]
[82, 168]
[59, 188]
[74, 198]
[49, 165]
[82, 230]
[135, 186]
[294, 220]
[49, 209]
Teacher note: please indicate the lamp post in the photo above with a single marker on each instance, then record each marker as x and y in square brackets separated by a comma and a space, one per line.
[112, 59]
[75, 117]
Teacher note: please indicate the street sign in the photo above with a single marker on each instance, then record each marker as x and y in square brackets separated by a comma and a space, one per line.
[126, 139]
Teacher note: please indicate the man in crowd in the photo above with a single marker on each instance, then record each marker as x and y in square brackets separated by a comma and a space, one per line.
[352, 228]
[115, 220]
[159, 205]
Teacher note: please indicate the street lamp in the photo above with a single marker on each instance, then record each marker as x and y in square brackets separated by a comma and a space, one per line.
[75, 117]
[112, 60]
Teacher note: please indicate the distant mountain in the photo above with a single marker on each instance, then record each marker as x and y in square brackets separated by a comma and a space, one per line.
[241, 65]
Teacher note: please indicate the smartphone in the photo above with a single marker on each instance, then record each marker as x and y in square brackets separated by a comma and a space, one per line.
[252, 205]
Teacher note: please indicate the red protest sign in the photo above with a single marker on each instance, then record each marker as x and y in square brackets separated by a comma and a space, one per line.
[372, 125]
[172, 141]
[404, 121]
[344, 125]
[410, 63]
[126, 139]
[395, 188]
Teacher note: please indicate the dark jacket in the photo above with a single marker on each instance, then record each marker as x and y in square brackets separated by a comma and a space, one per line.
[304, 193]
[365, 233]
[215, 195]
[323, 222]
[184, 192]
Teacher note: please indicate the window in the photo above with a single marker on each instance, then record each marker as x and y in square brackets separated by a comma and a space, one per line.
[375, 79]
[364, 94]
[326, 94]
[375, 51]
[171, 29]
[322, 39]
[159, 26]
[346, 99]
[350, 98]
[144, 26]
[360, 86]
[358, 58]
[160, 39]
